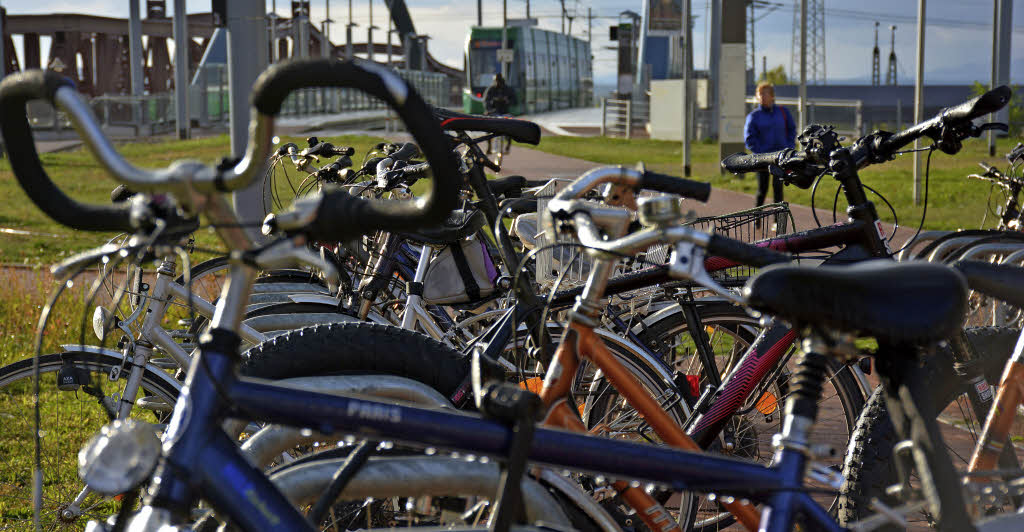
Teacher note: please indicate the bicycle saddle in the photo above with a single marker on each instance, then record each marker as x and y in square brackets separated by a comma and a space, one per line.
[461, 224]
[897, 303]
[1005, 283]
[519, 130]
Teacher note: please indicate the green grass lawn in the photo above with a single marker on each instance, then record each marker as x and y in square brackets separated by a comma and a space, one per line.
[81, 178]
[953, 201]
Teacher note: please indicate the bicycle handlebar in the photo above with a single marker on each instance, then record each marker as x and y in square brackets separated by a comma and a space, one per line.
[670, 184]
[956, 118]
[15, 91]
[268, 95]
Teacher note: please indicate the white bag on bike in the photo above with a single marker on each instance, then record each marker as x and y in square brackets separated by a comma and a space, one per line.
[460, 273]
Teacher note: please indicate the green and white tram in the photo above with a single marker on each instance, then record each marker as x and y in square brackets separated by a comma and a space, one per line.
[549, 70]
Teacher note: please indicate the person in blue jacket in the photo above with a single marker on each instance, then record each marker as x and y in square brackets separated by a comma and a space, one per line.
[769, 128]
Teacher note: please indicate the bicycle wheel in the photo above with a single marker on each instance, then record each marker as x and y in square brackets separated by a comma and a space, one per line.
[869, 467]
[405, 491]
[748, 434]
[67, 420]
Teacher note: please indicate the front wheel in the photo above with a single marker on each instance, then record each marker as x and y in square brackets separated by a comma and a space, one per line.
[68, 417]
[870, 468]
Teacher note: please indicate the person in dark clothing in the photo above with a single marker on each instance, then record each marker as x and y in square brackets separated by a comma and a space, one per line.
[498, 97]
[768, 128]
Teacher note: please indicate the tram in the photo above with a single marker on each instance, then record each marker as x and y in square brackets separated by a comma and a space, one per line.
[549, 70]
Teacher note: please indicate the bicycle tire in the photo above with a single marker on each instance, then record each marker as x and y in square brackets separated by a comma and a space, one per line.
[733, 328]
[358, 348]
[61, 485]
[869, 467]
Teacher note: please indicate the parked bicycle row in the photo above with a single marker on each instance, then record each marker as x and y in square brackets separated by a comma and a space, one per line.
[409, 341]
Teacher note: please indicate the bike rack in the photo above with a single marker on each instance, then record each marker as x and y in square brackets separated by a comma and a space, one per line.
[927, 236]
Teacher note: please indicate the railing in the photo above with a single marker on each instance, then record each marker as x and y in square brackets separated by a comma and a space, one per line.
[621, 117]
[846, 115]
[432, 86]
[210, 101]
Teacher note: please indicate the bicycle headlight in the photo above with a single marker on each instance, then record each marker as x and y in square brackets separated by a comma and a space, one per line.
[119, 458]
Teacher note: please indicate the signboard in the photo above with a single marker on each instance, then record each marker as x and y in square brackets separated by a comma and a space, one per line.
[506, 55]
[666, 15]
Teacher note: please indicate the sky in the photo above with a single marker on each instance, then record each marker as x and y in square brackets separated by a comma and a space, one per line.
[958, 40]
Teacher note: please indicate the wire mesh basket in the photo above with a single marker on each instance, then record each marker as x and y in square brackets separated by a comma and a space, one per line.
[752, 225]
[560, 258]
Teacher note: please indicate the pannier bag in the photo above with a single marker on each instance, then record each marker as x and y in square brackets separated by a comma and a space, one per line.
[461, 273]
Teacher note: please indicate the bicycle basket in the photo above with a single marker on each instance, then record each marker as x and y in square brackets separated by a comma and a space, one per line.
[752, 225]
[560, 255]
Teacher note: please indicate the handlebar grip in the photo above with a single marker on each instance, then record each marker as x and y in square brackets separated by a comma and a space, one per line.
[740, 163]
[406, 152]
[743, 252]
[343, 151]
[989, 102]
[15, 91]
[668, 184]
[363, 216]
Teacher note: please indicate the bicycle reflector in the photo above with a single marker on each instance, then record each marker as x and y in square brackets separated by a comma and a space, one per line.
[119, 458]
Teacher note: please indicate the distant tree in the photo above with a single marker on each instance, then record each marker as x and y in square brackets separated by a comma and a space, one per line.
[775, 76]
[1016, 105]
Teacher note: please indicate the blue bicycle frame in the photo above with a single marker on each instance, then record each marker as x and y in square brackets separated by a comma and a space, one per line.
[200, 460]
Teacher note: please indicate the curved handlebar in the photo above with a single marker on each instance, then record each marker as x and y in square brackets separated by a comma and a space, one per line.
[956, 116]
[15, 91]
[268, 94]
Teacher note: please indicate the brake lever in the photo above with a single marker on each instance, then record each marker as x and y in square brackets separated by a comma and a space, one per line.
[976, 131]
[288, 252]
[687, 263]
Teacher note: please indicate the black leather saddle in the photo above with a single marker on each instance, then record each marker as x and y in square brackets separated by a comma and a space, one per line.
[519, 130]
[1005, 283]
[459, 225]
[897, 303]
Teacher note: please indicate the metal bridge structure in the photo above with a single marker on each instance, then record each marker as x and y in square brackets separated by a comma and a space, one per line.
[94, 50]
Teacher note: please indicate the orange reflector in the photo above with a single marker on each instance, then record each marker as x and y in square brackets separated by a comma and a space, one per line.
[767, 404]
[533, 384]
[710, 330]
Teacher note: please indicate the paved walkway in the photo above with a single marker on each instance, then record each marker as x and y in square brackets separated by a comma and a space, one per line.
[534, 164]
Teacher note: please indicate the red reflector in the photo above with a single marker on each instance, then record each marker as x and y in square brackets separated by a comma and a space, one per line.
[694, 382]
[479, 95]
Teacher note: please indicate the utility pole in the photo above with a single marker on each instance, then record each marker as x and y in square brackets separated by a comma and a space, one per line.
[181, 64]
[1002, 31]
[876, 62]
[919, 97]
[590, 21]
[369, 34]
[350, 51]
[504, 37]
[479, 12]
[764, 66]
[685, 122]
[273, 31]
[246, 32]
[890, 74]
[803, 66]
[135, 54]
[528, 9]
[563, 14]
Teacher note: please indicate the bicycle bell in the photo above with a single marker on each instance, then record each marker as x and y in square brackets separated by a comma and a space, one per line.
[658, 211]
[119, 458]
